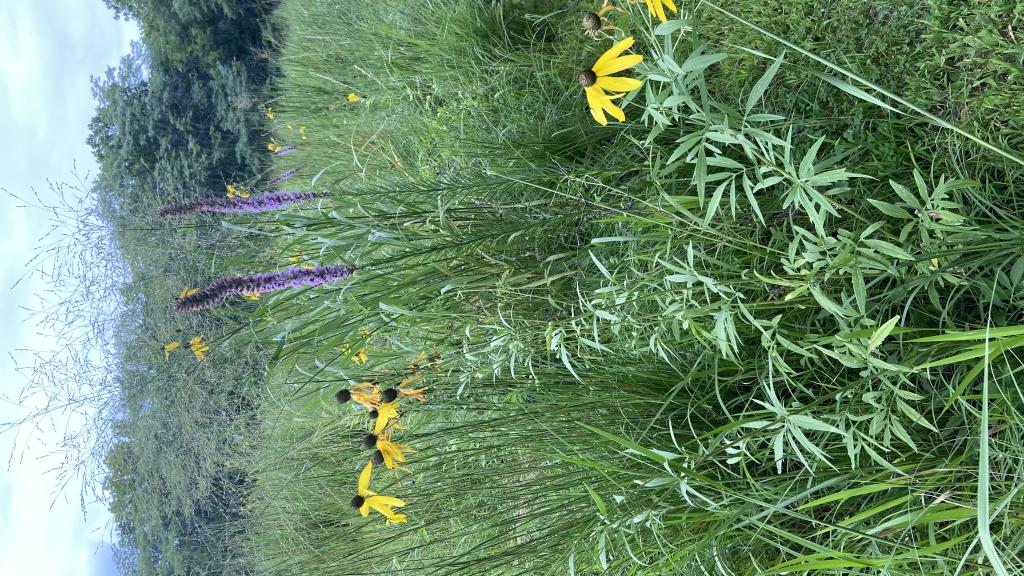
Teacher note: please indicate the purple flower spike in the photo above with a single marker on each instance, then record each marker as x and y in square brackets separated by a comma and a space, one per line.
[285, 150]
[281, 177]
[258, 203]
[261, 283]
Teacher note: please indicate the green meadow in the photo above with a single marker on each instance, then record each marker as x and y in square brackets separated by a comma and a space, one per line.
[770, 323]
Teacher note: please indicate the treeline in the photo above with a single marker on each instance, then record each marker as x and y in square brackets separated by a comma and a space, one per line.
[180, 117]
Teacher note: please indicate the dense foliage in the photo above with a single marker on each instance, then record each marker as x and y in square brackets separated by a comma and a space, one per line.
[768, 324]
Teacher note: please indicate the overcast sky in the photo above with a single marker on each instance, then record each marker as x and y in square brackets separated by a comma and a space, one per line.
[50, 48]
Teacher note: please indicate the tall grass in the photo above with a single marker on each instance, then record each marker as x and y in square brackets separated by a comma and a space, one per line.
[715, 339]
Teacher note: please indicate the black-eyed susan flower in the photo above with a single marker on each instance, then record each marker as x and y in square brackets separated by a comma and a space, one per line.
[405, 390]
[391, 452]
[366, 499]
[657, 8]
[353, 98]
[199, 347]
[385, 413]
[593, 23]
[170, 347]
[598, 79]
[364, 393]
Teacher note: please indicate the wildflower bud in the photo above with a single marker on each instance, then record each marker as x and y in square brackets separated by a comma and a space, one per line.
[389, 395]
[358, 502]
[591, 22]
[343, 396]
[377, 458]
[370, 441]
[587, 78]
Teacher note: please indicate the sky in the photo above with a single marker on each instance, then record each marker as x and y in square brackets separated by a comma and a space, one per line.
[51, 49]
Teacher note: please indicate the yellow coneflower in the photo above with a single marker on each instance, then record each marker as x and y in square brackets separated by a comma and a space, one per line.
[187, 292]
[364, 393]
[270, 111]
[391, 452]
[352, 97]
[597, 79]
[170, 347]
[657, 8]
[295, 258]
[366, 499]
[404, 390]
[360, 357]
[593, 23]
[199, 347]
[274, 147]
[384, 413]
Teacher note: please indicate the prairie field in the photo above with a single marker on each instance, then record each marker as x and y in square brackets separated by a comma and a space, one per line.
[769, 322]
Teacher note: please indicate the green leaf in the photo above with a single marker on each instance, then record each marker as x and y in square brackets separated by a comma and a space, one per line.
[882, 333]
[762, 85]
[854, 91]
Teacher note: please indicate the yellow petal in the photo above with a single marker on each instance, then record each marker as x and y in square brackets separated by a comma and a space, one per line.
[614, 110]
[613, 52]
[365, 508]
[618, 83]
[364, 479]
[385, 413]
[618, 65]
[385, 501]
[396, 519]
[594, 98]
[670, 5]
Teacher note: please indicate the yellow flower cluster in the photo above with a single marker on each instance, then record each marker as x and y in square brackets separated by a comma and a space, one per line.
[198, 345]
[236, 191]
[382, 406]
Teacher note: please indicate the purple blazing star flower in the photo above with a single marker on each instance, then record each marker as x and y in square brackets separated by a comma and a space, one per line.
[281, 177]
[285, 150]
[261, 283]
[258, 203]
